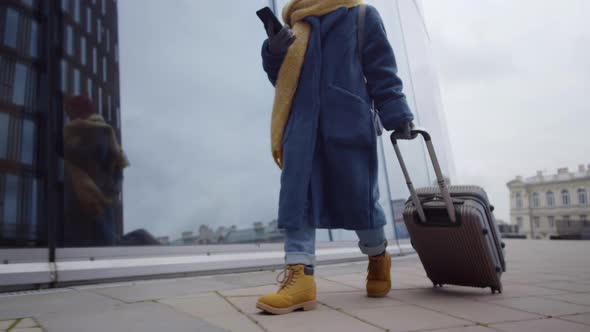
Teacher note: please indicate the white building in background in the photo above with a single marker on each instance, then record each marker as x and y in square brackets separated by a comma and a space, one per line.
[546, 206]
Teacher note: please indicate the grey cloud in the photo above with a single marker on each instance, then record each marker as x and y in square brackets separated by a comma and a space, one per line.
[533, 112]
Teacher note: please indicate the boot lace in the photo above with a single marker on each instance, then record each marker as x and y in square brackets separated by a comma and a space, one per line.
[286, 278]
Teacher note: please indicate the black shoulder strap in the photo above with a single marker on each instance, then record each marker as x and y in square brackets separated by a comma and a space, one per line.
[361, 29]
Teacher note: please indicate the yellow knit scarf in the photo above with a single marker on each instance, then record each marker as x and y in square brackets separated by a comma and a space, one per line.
[293, 14]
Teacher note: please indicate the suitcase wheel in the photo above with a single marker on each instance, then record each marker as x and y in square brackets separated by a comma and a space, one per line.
[437, 285]
[496, 290]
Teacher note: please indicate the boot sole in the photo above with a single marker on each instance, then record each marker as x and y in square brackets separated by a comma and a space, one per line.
[305, 306]
[382, 294]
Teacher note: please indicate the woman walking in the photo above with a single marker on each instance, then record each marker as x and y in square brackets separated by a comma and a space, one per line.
[330, 63]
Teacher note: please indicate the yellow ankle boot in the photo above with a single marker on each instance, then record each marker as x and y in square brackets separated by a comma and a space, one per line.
[297, 291]
[379, 277]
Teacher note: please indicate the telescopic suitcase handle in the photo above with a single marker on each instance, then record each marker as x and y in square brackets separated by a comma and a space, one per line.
[444, 190]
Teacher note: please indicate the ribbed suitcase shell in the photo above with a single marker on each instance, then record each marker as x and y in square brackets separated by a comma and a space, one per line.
[469, 253]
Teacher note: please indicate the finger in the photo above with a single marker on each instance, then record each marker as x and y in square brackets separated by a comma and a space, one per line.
[292, 40]
[283, 33]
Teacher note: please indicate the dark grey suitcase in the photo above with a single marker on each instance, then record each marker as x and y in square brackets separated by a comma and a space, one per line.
[453, 230]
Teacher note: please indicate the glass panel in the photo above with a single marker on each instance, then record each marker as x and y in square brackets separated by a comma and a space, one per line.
[94, 60]
[11, 28]
[100, 100]
[11, 194]
[104, 69]
[76, 87]
[168, 199]
[83, 50]
[34, 42]
[29, 3]
[69, 40]
[109, 108]
[65, 5]
[20, 84]
[582, 197]
[89, 20]
[77, 11]
[98, 30]
[34, 204]
[89, 88]
[4, 123]
[64, 76]
[27, 153]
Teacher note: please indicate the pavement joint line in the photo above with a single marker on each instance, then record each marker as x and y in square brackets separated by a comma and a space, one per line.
[108, 296]
[548, 297]
[492, 325]
[446, 328]
[563, 318]
[534, 313]
[331, 292]
[240, 311]
[352, 316]
[16, 321]
[340, 283]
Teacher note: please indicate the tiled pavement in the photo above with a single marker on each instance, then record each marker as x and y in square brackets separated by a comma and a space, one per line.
[546, 288]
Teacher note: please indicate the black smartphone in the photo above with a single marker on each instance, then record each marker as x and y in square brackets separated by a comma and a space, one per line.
[268, 17]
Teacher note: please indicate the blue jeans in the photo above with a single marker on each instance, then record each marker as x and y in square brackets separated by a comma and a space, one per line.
[300, 244]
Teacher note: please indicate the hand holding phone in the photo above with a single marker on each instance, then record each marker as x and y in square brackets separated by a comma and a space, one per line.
[280, 37]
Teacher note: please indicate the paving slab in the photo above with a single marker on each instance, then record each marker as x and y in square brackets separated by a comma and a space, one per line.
[27, 323]
[541, 325]
[340, 269]
[214, 309]
[355, 280]
[5, 324]
[322, 319]
[157, 290]
[327, 286]
[474, 328]
[407, 318]
[576, 298]
[355, 300]
[68, 303]
[144, 317]
[566, 286]
[250, 291]
[253, 279]
[582, 319]
[458, 306]
[543, 306]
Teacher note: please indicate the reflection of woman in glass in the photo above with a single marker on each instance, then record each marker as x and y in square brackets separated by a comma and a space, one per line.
[94, 164]
[323, 135]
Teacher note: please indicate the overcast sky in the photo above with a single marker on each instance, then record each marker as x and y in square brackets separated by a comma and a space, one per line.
[196, 104]
[515, 77]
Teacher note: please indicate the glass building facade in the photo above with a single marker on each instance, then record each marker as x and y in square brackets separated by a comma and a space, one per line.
[195, 128]
[44, 58]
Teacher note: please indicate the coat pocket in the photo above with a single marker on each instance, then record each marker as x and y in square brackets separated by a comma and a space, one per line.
[346, 118]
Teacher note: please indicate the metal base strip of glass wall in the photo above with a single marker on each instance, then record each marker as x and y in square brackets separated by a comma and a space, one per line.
[97, 265]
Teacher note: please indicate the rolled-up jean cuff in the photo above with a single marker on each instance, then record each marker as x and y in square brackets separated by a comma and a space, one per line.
[373, 251]
[294, 258]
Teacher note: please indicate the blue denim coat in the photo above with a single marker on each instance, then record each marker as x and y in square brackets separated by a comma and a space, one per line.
[329, 178]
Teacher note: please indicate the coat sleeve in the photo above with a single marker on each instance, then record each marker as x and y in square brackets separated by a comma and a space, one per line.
[380, 69]
[271, 63]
